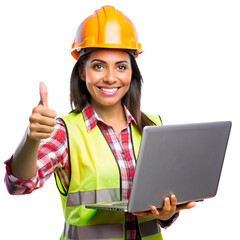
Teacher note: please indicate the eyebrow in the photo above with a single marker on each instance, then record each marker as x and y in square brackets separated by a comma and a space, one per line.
[99, 60]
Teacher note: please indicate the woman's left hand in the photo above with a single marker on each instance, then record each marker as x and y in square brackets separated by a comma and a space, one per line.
[167, 211]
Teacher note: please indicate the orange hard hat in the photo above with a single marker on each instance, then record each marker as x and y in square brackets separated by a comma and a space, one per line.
[106, 28]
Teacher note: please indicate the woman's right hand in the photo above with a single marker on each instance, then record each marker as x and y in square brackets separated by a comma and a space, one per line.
[42, 119]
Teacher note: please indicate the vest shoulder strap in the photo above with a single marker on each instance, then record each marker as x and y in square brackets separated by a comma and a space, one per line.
[155, 118]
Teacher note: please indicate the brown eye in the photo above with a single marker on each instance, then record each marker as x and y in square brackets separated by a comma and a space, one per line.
[121, 67]
[98, 67]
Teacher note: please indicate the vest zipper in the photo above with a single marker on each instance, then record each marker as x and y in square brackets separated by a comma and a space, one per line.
[116, 162]
[130, 128]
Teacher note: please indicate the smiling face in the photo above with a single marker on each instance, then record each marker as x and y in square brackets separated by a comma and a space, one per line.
[107, 74]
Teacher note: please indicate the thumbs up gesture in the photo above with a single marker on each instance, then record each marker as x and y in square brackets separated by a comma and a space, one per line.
[42, 119]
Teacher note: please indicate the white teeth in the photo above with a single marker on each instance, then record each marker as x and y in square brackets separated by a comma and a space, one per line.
[109, 90]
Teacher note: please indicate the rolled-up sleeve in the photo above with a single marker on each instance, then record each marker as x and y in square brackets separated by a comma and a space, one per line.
[168, 223]
[16, 186]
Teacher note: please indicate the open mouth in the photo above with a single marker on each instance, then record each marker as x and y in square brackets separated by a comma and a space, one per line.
[108, 90]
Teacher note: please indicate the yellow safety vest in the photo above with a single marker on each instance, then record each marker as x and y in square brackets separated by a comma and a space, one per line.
[95, 177]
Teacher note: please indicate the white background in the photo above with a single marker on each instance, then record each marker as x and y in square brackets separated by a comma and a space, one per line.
[191, 71]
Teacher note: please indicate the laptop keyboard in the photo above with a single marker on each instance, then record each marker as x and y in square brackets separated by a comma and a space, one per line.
[120, 204]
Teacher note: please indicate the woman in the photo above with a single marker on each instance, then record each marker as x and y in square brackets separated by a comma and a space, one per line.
[91, 150]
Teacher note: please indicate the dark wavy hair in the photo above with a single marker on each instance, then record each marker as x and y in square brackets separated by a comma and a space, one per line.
[79, 95]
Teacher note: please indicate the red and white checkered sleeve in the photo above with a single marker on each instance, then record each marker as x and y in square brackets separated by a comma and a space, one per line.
[52, 154]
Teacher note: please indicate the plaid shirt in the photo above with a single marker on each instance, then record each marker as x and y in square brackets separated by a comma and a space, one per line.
[53, 156]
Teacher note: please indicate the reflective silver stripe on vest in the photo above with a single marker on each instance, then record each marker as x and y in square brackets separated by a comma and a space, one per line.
[104, 231]
[93, 196]
[149, 228]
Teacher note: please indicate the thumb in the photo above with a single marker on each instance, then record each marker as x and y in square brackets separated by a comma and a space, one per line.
[43, 94]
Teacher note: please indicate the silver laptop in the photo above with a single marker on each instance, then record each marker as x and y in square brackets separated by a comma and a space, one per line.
[185, 160]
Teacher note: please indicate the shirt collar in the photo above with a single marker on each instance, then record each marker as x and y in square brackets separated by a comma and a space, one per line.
[91, 118]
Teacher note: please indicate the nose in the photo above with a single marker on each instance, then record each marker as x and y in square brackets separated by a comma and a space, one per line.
[110, 76]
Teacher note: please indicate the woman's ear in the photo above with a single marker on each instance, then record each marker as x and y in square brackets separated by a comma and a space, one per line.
[81, 73]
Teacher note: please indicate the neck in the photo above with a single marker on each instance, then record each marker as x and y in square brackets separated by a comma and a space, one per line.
[110, 114]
